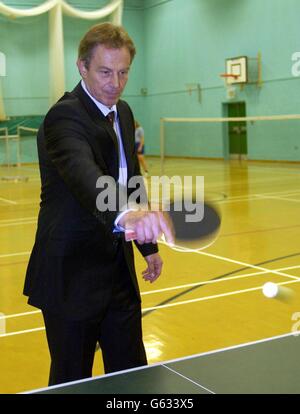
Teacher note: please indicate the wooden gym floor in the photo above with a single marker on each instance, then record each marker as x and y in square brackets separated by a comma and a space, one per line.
[203, 301]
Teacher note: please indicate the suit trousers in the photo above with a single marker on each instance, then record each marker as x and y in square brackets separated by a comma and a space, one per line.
[118, 330]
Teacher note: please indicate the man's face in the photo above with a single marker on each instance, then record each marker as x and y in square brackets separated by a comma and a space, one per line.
[107, 74]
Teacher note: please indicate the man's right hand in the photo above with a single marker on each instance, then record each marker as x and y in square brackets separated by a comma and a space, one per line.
[147, 226]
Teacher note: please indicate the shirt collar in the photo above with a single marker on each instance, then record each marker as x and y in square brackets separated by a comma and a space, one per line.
[103, 108]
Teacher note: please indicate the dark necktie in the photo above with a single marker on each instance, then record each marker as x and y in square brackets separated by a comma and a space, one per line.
[111, 117]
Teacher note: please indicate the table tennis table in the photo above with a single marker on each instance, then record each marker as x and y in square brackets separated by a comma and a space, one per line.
[267, 366]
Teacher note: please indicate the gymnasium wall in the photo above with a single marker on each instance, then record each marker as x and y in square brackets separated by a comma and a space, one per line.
[187, 41]
[25, 43]
[179, 42]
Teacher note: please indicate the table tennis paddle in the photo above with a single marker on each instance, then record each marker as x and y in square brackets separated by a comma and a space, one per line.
[191, 235]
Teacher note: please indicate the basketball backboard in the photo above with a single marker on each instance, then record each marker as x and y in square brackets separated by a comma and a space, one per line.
[2, 64]
[238, 68]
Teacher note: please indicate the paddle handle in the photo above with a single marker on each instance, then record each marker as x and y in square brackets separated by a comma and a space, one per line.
[130, 235]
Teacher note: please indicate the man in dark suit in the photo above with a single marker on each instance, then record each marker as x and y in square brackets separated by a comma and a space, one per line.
[81, 271]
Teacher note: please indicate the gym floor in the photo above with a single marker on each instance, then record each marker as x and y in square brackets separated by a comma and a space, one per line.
[203, 301]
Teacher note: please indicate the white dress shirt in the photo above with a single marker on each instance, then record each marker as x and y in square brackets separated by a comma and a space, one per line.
[122, 180]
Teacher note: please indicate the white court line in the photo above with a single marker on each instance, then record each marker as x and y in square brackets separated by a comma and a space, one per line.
[264, 270]
[280, 198]
[22, 332]
[5, 200]
[14, 254]
[28, 201]
[169, 305]
[2, 323]
[188, 379]
[16, 220]
[220, 295]
[16, 315]
[271, 193]
[281, 192]
[207, 282]
[19, 223]
[249, 197]
[25, 202]
[226, 259]
[254, 197]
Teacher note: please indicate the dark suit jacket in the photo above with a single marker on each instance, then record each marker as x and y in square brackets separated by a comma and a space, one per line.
[75, 255]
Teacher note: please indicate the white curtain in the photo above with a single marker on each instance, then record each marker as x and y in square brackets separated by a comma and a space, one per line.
[2, 110]
[2, 73]
[56, 9]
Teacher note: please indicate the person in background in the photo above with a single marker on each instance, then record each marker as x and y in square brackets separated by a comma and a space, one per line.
[140, 147]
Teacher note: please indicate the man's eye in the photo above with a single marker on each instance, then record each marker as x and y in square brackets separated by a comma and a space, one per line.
[104, 72]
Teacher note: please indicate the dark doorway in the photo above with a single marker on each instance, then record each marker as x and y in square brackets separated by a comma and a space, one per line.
[237, 131]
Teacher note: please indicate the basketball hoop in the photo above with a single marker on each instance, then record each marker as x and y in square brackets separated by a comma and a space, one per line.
[229, 79]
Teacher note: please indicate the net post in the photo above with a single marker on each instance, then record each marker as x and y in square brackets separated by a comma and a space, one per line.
[5, 137]
[18, 141]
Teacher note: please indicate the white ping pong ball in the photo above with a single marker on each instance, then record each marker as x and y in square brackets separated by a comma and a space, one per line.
[270, 290]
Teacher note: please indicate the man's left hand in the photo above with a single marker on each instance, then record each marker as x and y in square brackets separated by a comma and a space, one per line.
[153, 270]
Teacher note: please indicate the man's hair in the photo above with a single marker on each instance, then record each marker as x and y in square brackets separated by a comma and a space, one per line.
[106, 34]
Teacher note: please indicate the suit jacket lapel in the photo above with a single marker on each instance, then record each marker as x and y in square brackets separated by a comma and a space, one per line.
[95, 114]
[97, 117]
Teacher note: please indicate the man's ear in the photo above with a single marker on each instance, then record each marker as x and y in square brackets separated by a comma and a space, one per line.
[82, 68]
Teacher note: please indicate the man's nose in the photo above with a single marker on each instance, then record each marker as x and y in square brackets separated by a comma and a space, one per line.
[115, 80]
